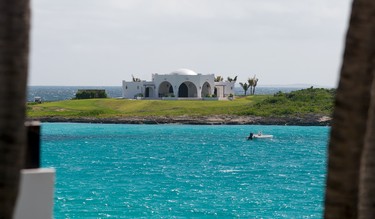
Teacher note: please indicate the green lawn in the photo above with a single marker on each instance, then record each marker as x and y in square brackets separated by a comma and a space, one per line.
[124, 107]
[298, 102]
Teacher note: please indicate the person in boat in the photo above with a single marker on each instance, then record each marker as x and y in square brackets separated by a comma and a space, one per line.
[250, 137]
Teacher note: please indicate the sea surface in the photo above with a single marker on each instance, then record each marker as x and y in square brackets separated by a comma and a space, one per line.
[56, 93]
[185, 171]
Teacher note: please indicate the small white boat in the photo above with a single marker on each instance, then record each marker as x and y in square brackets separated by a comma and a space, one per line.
[262, 136]
[258, 136]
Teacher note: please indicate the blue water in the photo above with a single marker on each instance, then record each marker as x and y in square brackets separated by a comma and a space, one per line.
[185, 171]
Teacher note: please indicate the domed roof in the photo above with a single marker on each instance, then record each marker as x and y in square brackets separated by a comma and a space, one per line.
[183, 71]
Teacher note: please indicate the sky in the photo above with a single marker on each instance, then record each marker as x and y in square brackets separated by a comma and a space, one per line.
[102, 42]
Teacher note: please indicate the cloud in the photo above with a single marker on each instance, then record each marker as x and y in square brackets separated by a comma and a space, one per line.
[127, 36]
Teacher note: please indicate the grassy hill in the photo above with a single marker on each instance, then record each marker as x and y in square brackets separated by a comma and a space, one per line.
[307, 101]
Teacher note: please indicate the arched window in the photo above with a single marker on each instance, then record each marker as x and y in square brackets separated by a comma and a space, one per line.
[187, 89]
[206, 90]
[165, 89]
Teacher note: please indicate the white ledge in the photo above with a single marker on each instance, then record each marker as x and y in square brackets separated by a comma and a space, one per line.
[35, 198]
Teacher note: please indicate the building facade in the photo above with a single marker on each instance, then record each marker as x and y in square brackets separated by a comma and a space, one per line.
[182, 83]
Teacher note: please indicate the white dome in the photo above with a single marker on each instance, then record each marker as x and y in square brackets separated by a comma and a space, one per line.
[183, 71]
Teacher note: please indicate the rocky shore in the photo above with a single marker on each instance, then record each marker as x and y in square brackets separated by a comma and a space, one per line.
[306, 120]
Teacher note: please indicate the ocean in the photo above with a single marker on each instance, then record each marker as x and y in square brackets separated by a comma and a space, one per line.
[185, 171]
[56, 93]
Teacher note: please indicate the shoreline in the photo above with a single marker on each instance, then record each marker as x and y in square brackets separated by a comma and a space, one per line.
[306, 120]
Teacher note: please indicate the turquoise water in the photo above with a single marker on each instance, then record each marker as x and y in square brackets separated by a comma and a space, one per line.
[185, 171]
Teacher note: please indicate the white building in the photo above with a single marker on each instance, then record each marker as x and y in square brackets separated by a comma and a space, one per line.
[182, 83]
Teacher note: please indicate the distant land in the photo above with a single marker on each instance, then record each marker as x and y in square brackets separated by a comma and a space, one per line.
[57, 93]
[298, 86]
[311, 106]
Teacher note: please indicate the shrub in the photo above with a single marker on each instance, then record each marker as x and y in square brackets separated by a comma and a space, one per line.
[311, 100]
[91, 113]
[90, 94]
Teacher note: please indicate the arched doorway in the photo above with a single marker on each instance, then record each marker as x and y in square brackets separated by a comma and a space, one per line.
[165, 89]
[183, 90]
[187, 89]
[149, 92]
[206, 90]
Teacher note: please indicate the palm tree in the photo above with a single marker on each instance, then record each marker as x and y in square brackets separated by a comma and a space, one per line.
[252, 84]
[255, 83]
[136, 79]
[245, 87]
[366, 194]
[232, 79]
[14, 50]
[218, 79]
[344, 197]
